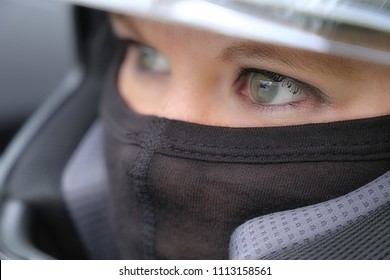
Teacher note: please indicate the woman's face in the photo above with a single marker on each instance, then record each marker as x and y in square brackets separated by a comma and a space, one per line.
[185, 74]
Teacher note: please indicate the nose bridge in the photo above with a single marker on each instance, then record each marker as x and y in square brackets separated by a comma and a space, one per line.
[194, 92]
[192, 96]
[198, 82]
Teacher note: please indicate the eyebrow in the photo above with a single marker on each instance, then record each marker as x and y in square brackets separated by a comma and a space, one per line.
[298, 59]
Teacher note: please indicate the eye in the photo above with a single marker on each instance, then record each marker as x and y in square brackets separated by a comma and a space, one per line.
[151, 60]
[272, 89]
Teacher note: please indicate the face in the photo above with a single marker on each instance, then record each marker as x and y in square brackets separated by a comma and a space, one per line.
[192, 75]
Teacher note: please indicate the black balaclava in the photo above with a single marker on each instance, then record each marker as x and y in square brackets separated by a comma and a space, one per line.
[179, 189]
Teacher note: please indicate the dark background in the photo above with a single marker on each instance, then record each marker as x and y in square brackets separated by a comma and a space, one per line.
[36, 52]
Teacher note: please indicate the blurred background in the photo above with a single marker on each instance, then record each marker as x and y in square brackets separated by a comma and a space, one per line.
[36, 52]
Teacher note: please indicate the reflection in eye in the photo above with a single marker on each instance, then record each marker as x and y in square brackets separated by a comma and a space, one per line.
[151, 60]
[273, 89]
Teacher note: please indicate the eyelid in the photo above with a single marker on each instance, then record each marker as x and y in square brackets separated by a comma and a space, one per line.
[132, 42]
[128, 41]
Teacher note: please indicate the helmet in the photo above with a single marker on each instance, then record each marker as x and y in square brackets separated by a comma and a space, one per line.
[355, 28]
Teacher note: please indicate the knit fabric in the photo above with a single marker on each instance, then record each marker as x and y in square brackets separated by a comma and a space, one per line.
[354, 226]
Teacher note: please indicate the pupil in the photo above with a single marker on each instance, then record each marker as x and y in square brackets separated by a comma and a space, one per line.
[147, 56]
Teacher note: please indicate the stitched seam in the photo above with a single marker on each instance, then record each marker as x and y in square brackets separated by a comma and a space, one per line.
[139, 175]
[268, 156]
[284, 146]
[175, 140]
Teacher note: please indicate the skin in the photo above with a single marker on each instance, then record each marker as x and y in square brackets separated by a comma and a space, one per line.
[202, 84]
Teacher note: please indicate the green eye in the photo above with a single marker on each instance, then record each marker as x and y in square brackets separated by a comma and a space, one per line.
[151, 60]
[273, 90]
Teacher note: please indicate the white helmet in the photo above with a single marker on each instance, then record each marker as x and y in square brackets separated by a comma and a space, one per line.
[354, 28]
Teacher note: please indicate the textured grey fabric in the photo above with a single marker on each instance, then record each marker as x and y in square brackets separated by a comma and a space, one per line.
[85, 189]
[366, 238]
[276, 235]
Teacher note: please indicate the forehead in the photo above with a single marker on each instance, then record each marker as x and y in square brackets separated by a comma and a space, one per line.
[141, 28]
[230, 48]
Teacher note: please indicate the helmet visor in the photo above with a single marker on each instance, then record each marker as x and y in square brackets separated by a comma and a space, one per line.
[352, 28]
